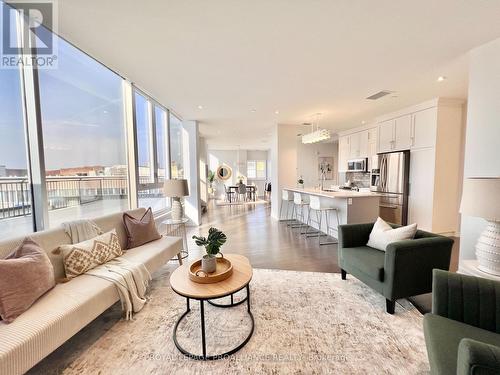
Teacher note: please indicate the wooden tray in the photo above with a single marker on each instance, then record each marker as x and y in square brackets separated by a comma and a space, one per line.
[223, 270]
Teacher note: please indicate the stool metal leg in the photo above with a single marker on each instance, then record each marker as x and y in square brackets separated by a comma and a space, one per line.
[328, 231]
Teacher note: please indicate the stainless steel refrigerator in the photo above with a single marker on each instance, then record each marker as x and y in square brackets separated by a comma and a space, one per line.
[390, 173]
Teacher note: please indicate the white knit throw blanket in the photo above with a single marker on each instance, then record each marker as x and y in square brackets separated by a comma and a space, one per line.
[81, 230]
[131, 280]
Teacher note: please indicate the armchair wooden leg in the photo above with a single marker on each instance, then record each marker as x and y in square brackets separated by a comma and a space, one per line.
[179, 256]
[343, 274]
[390, 306]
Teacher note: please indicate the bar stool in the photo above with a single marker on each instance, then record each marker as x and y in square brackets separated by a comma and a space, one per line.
[319, 206]
[299, 202]
[287, 199]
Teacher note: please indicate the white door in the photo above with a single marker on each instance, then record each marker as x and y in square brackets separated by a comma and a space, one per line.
[354, 143]
[424, 128]
[386, 136]
[343, 153]
[421, 188]
[403, 133]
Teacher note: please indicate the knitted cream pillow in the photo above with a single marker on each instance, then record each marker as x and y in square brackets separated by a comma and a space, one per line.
[81, 257]
[382, 234]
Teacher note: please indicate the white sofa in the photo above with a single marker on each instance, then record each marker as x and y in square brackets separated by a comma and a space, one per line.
[66, 309]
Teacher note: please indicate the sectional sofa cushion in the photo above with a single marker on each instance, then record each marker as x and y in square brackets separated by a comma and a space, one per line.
[446, 335]
[140, 230]
[81, 257]
[25, 275]
[367, 260]
[382, 234]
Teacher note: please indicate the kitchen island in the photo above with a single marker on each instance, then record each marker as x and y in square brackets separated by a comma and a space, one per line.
[353, 207]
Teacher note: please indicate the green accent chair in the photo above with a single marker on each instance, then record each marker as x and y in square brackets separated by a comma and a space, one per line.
[403, 270]
[462, 334]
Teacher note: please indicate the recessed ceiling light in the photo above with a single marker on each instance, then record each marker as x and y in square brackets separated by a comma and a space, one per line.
[441, 78]
[363, 122]
[277, 112]
[200, 107]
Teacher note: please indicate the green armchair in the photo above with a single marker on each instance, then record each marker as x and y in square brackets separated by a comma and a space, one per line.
[403, 270]
[462, 334]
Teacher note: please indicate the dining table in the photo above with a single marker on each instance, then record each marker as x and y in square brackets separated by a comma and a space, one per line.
[251, 189]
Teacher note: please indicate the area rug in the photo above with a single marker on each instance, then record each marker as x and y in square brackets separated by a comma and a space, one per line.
[220, 202]
[305, 323]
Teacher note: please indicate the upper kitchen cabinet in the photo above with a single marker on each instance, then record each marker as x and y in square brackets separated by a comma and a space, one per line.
[395, 134]
[424, 128]
[386, 136]
[355, 146]
[402, 133]
[372, 141]
[343, 153]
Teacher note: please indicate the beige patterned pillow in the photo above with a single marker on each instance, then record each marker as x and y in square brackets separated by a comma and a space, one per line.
[81, 257]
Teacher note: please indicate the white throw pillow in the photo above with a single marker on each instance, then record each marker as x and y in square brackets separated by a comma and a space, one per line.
[382, 234]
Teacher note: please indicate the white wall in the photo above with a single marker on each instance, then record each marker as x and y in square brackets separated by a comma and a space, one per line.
[283, 162]
[192, 203]
[202, 143]
[307, 162]
[230, 158]
[482, 143]
[291, 159]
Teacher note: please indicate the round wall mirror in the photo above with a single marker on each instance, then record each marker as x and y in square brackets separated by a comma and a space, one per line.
[224, 172]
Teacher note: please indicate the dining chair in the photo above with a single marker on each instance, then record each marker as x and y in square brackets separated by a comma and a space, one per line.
[229, 194]
[242, 191]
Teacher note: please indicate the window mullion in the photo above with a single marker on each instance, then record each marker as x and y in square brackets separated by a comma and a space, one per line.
[33, 123]
[132, 154]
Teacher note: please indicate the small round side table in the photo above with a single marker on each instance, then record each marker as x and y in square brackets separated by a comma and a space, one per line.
[177, 228]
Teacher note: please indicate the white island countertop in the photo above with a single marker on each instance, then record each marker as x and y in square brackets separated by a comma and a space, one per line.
[342, 194]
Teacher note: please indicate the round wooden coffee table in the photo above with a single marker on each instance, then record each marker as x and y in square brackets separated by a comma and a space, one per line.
[182, 285]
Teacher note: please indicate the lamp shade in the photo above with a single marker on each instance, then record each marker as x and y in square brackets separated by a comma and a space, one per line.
[176, 188]
[481, 198]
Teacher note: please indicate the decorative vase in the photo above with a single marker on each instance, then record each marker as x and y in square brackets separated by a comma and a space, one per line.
[208, 263]
[488, 249]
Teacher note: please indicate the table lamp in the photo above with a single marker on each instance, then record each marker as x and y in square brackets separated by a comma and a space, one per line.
[176, 189]
[481, 198]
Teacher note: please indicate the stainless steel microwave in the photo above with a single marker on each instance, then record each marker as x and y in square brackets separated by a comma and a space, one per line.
[357, 165]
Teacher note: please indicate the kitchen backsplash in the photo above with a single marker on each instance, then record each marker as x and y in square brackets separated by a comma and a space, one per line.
[361, 180]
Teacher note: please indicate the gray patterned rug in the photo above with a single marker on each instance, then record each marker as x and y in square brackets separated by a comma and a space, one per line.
[305, 323]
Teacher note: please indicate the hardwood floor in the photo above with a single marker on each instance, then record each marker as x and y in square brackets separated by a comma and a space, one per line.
[266, 242]
[271, 244]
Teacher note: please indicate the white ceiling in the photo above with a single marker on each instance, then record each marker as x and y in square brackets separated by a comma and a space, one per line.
[296, 57]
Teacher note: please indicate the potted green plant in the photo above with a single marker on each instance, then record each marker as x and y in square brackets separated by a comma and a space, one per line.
[212, 244]
[211, 178]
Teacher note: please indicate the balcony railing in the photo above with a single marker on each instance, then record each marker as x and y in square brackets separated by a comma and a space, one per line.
[62, 192]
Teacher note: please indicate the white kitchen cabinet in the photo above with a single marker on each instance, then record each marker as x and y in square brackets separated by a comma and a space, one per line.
[386, 136]
[424, 128]
[363, 144]
[420, 204]
[372, 137]
[354, 146]
[433, 132]
[343, 153]
[402, 133]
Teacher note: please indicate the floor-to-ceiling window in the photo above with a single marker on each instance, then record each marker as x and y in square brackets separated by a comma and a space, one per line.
[15, 195]
[176, 147]
[82, 129]
[152, 152]
[84, 137]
